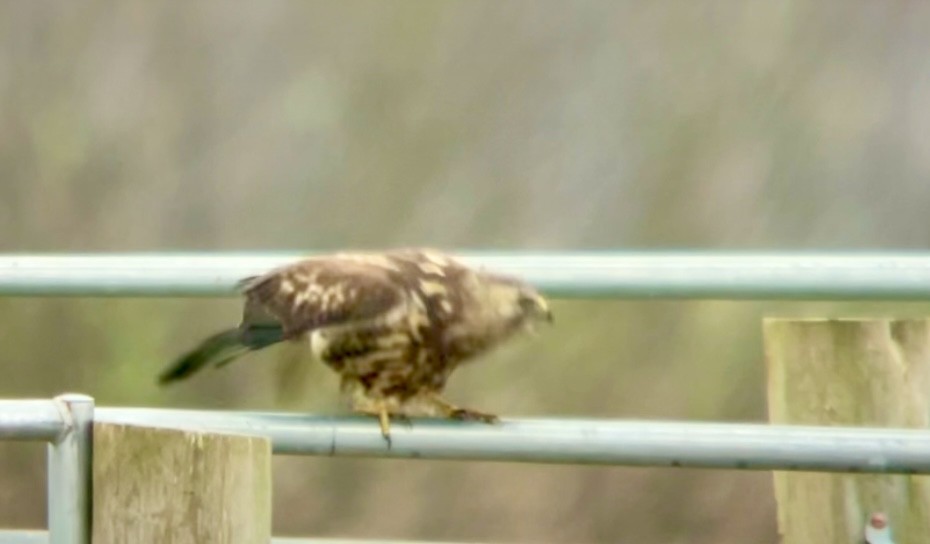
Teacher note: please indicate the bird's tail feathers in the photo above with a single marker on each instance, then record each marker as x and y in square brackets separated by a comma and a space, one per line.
[244, 283]
[220, 349]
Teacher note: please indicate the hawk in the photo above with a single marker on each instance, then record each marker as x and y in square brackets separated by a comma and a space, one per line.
[394, 325]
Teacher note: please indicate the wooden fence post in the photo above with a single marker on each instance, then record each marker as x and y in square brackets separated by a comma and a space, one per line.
[857, 372]
[162, 486]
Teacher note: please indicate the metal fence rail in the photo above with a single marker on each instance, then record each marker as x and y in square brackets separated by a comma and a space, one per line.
[30, 420]
[566, 441]
[65, 423]
[847, 276]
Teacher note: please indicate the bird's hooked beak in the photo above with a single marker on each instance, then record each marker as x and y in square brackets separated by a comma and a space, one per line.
[543, 311]
[547, 315]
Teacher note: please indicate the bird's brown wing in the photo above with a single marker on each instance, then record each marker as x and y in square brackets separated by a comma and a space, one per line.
[318, 293]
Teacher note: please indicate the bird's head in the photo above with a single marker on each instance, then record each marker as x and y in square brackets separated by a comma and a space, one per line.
[516, 302]
[534, 306]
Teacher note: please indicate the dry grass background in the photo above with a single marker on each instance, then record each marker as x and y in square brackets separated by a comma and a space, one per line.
[208, 125]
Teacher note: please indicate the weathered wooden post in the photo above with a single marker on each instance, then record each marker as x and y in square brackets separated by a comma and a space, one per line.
[162, 486]
[858, 372]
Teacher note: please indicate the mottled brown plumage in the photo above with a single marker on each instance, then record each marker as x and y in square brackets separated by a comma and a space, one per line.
[393, 325]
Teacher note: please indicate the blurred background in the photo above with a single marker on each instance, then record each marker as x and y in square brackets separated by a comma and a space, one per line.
[545, 125]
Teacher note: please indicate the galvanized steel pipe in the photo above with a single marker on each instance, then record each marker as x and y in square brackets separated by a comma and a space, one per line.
[30, 420]
[603, 442]
[699, 274]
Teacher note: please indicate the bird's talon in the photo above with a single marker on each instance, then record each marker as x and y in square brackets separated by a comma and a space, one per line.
[384, 421]
[464, 414]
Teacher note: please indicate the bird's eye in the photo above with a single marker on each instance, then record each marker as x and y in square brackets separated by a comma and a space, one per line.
[527, 303]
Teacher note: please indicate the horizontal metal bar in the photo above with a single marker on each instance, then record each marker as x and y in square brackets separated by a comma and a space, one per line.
[23, 536]
[607, 442]
[30, 420]
[30, 536]
[722, 275]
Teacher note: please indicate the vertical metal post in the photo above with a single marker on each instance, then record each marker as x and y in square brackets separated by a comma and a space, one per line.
[69, 472]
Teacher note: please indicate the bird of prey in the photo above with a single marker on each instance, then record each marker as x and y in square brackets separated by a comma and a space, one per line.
[393, 325]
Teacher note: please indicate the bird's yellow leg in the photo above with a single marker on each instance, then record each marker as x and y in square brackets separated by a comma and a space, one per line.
[378, 409]
[384, 420]
[370, 406]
